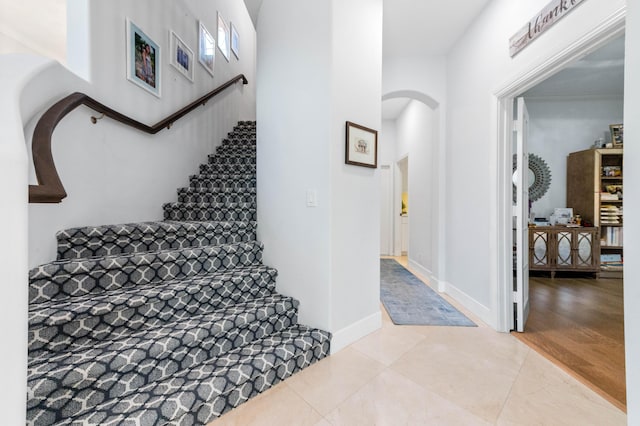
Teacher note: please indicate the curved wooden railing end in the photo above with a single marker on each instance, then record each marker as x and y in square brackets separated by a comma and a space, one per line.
[50, 188]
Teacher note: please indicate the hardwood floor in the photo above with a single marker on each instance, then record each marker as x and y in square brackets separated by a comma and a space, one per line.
[578, 323]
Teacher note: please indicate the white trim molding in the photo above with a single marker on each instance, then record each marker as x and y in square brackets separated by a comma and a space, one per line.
[478, 309]
[346, 336]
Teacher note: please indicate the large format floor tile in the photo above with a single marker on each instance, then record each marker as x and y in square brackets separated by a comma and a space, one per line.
[413, 375]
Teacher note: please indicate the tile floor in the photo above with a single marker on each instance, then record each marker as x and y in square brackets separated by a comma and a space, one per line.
[416, 375]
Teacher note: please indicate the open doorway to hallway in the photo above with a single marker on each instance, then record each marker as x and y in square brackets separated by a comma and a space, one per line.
[576, 284]
[409, 144]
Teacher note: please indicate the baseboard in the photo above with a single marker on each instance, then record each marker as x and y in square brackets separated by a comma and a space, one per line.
[478, 309]
[434, 282]
[346, 336]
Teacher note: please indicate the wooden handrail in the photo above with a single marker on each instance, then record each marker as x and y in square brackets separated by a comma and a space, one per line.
[50, 188]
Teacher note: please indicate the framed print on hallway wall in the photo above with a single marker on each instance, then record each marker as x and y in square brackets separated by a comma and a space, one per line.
[361, 146]
[181, 56]
[143, 59]
[235, 41]
[223, 37]
[206, 48]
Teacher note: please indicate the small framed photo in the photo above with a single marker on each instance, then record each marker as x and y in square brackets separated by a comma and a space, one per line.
[181, 56]
[143, 59]
[235, 41]
[361, 146]
[206, 48]
[616, 135]
[223, 37]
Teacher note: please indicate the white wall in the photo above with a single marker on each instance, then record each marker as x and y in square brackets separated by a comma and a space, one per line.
[558, 127]
[15, 72]
[478, 66]
[632, 210]
[308, 86]
[388, 206]
[35, 27]
[293, 110]
[355, 218]
[415, 135]
[116, 174]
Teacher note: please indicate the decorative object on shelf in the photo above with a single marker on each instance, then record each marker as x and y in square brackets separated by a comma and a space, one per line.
[181, 56]
[616, 135]
[361, 146]
[235, 41]
[206, 48]
[143, 59]
[223, 37]
[540, 177]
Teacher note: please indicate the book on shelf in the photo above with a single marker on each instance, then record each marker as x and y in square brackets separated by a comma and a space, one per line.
[612, 237]
[605, 196]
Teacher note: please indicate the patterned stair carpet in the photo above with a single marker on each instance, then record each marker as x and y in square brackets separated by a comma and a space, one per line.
[172, 322]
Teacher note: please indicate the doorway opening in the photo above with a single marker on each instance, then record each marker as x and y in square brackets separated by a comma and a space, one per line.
[576, 320]
[411, 134]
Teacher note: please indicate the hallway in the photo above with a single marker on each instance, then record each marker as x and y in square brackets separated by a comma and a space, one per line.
[419, 375]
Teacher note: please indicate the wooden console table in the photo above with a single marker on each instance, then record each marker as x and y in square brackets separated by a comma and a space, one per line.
[561, 248]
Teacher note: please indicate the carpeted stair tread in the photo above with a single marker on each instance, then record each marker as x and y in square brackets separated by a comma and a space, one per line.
[198, 395]
[57, 324]
[106, 240]
[74, 277]
[113, 369]
[210, 212]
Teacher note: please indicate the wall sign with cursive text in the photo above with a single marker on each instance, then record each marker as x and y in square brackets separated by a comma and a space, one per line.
[548, 16]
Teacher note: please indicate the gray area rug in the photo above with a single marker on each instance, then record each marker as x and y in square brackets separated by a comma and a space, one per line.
[409, 301]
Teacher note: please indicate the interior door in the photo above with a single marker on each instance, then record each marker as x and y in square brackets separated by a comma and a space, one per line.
[521, 217]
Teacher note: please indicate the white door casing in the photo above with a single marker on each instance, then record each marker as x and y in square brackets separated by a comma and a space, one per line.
[521, 215]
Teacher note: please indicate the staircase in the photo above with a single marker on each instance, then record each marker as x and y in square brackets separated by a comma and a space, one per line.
[171, 322]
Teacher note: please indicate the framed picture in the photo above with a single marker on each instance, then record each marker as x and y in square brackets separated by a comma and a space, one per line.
[143, 59]
[206, 48]
[181, 56]
[361, 146]
[235, 41]
[223, 37]
[616, 135]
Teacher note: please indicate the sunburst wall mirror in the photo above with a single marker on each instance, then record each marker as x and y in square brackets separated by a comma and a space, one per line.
[539, 177]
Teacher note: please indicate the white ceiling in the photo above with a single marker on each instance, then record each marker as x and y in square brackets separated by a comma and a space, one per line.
[417, 27]
[425, 27]
[600, 73]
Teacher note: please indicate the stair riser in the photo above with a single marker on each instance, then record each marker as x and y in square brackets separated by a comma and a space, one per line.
[212, 198]
[109, 245]
[74, 278]
[58, 327]
[209, 168]
[209, 391]
[109, 379]
[216, 215]
[232, 160]
[217, 186]
[212, 180]
[247, 151]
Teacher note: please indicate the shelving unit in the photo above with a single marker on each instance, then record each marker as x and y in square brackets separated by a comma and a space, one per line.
[594, 191]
